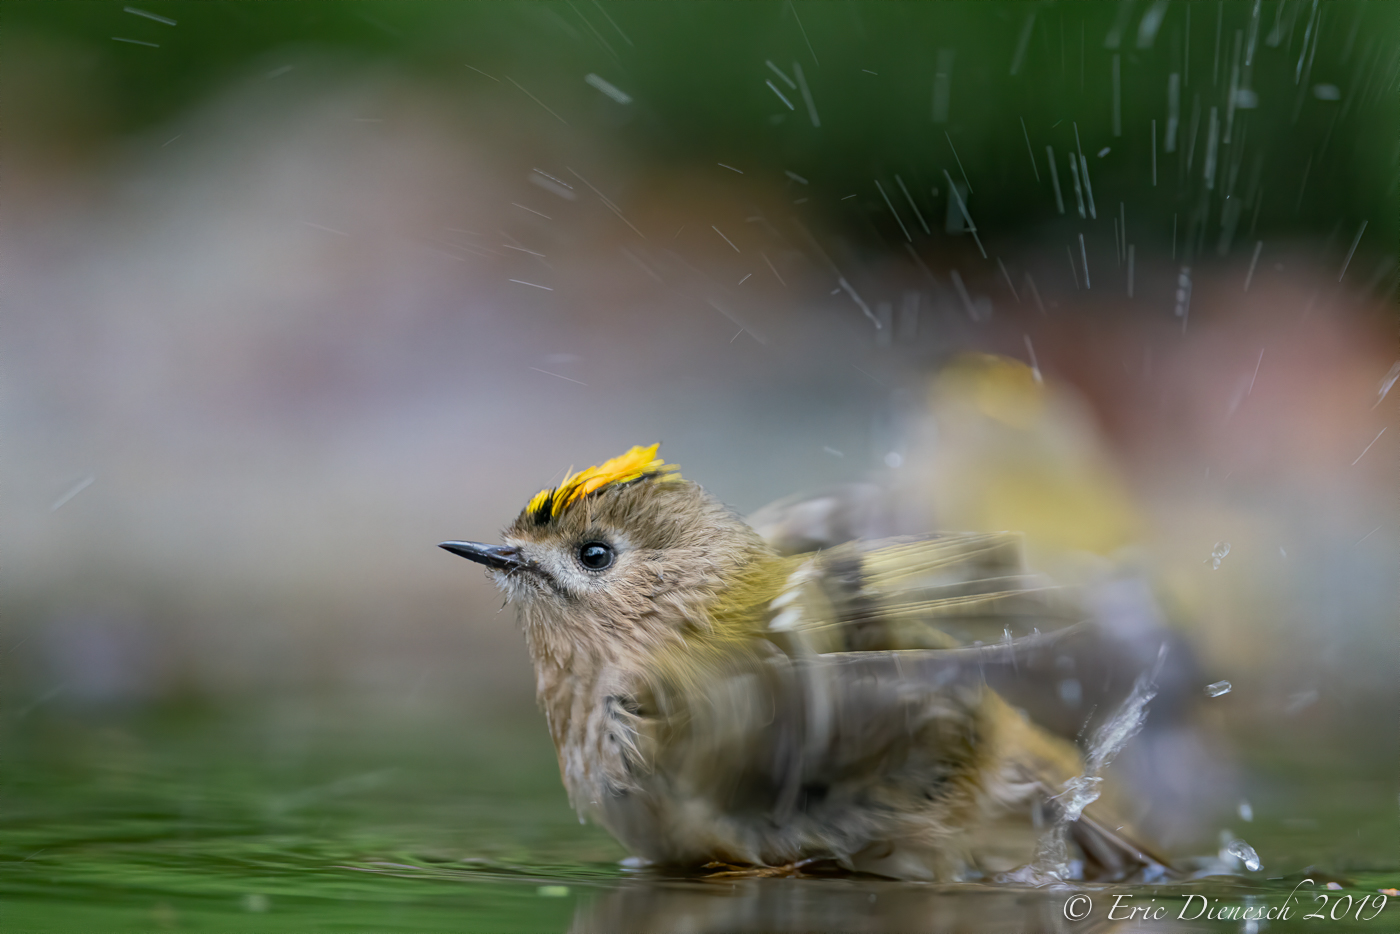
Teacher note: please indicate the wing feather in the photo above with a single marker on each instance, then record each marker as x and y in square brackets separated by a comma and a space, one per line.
[935, 592]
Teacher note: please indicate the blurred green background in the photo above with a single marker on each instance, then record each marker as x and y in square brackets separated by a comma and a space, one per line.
[1323, 84]
[296, 290]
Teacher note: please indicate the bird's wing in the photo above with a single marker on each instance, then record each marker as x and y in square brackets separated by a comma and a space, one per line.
[932, 592]
[795, 754]
[1035, 764]
[849, 748]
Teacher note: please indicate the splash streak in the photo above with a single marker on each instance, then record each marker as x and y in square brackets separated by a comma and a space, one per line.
[1084, 169]
[890, 205]
[959, 162]
[806, 94]
[537, 101]
[962, 206]
[865, 309]
[1368, 447]
[74, 491]
[1352, 251]
[1083, 790]
[1029, 151]
[1055, 179]
[910, 197]
[775, 90]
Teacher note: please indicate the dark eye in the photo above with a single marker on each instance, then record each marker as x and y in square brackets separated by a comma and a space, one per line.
[596, 556]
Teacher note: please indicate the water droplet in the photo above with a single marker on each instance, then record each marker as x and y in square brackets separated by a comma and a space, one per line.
[1217, 554]
[1244, 852]
[1218, 688]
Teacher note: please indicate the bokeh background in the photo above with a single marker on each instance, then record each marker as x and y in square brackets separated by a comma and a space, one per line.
[292, 292]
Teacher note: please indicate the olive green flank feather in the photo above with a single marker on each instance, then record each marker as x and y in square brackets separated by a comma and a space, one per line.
[734, 624]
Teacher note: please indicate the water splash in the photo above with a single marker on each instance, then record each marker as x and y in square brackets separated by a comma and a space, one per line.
[1125, 723]
[1052, 850]
[1079, 793]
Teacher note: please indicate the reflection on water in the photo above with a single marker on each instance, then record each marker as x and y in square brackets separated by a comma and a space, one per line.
[327, 818]
[817, 905]
[862, 905]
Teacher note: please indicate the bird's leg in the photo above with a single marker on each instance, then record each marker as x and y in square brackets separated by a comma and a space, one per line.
[793, 870]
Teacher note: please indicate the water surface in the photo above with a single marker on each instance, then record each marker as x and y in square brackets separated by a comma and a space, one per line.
[310, 817]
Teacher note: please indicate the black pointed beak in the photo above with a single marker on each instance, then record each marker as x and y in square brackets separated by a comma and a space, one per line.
[496, 557]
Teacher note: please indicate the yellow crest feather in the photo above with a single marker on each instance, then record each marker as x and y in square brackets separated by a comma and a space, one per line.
[634, 465]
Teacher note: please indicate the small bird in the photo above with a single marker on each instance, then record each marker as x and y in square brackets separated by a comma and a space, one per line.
[716, 704]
